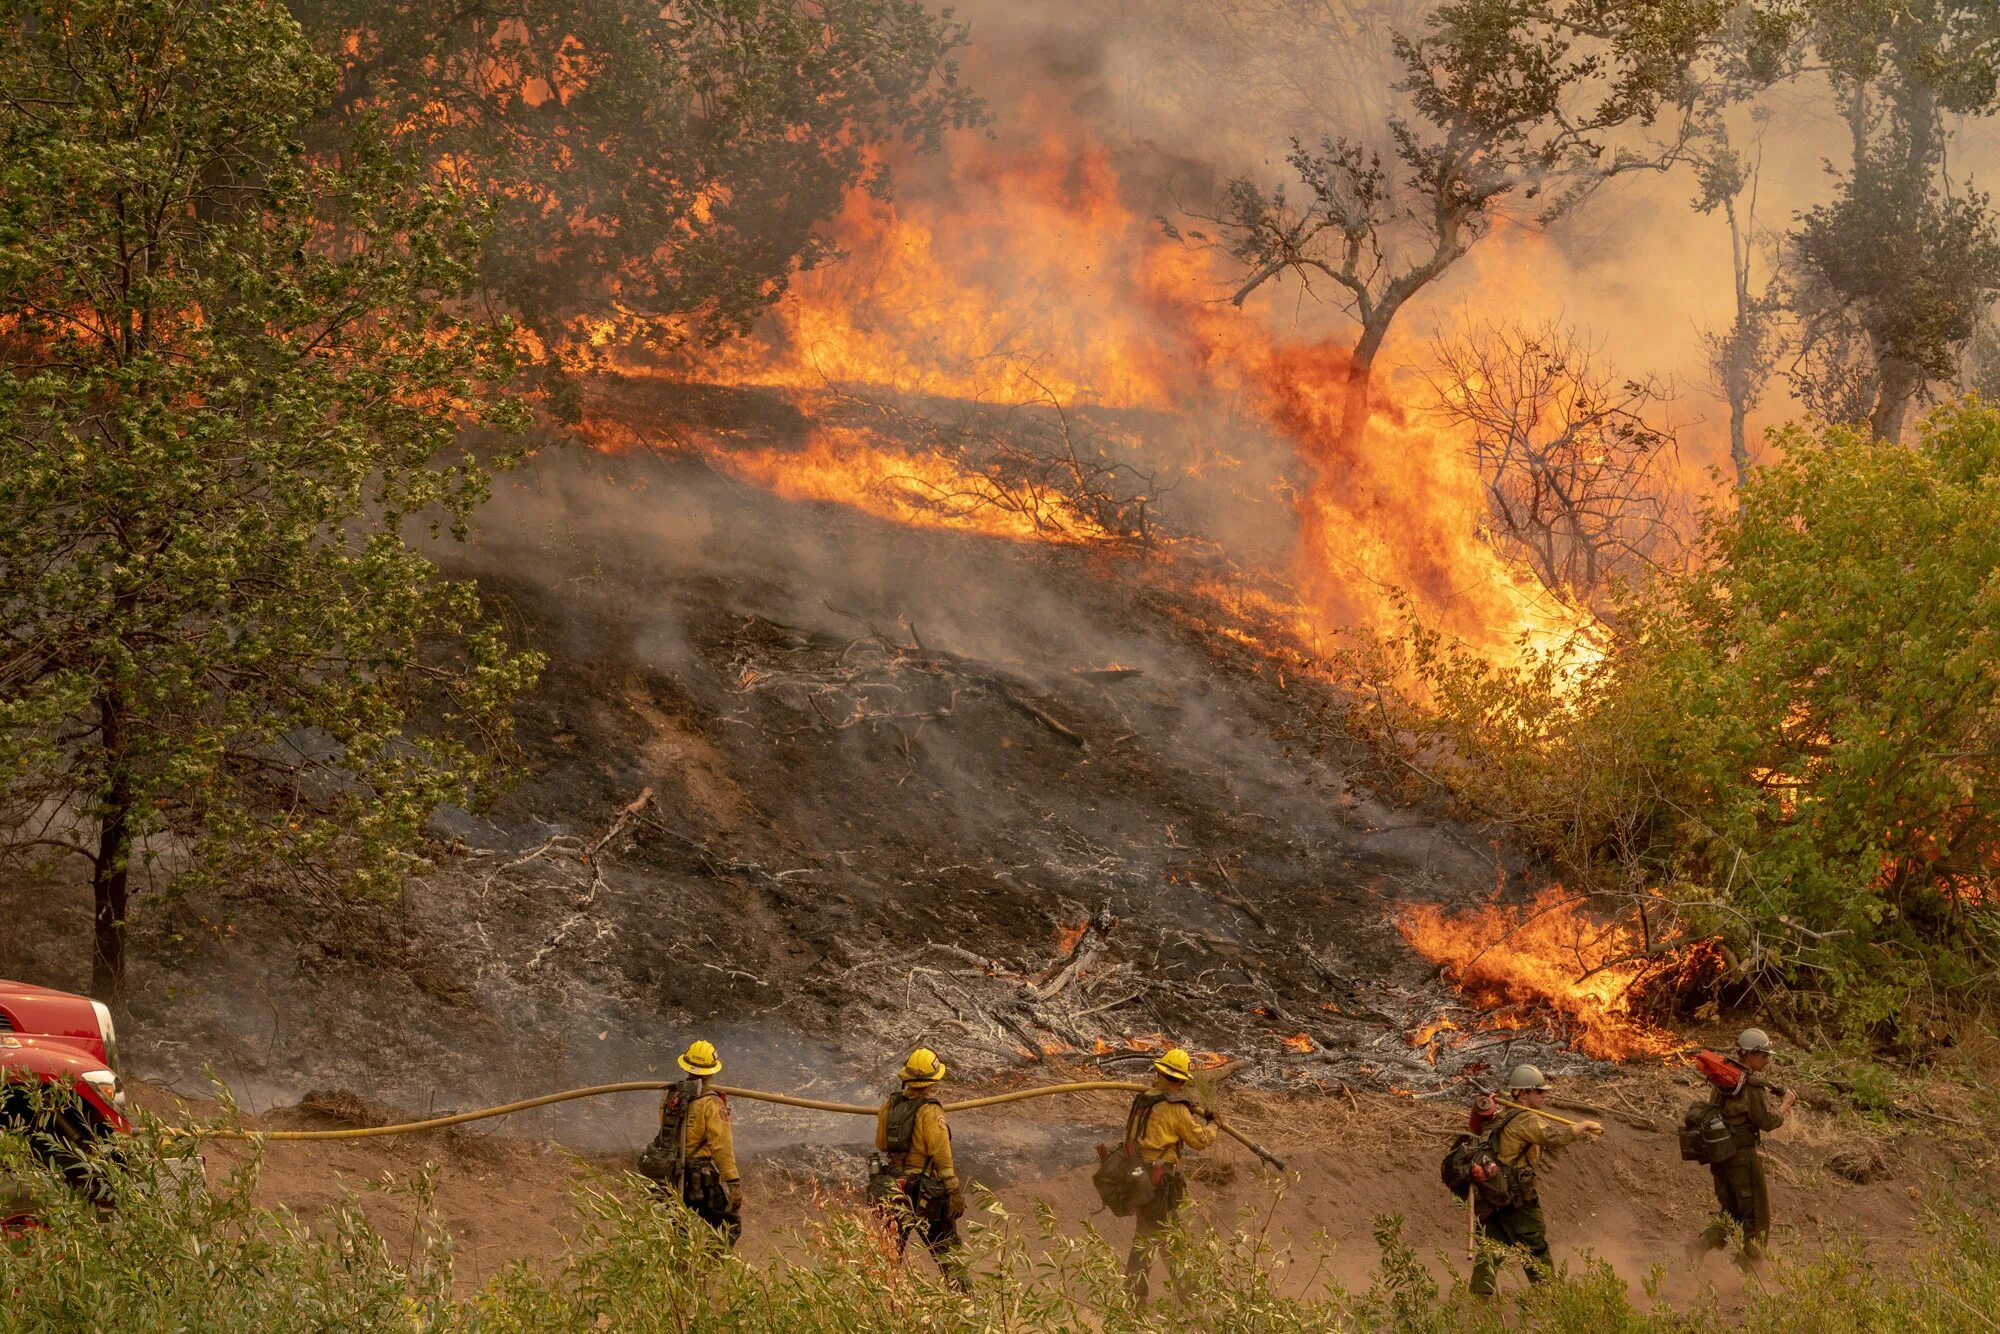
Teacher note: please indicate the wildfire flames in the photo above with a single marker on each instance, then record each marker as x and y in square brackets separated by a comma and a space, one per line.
[1544, 962]
[1024, 272]
[922, 489]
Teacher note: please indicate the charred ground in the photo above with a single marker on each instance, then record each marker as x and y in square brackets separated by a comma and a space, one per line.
[820, 786]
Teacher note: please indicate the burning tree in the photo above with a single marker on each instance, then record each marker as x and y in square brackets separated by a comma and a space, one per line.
[1506, 98]
[1576, 475]
[230, 379]
[658, 172]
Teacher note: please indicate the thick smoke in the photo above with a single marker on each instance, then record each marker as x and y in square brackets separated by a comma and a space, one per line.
[1209, 92]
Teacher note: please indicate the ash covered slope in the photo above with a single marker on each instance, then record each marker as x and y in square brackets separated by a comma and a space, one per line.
[999, 797]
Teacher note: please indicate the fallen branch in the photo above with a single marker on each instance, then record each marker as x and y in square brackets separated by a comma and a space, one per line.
[625, 813]
[1235, 899]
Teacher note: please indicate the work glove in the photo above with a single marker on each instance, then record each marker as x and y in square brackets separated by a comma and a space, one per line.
[1589, 1128]
[954, 1204]
[1785, 1103]
[735, 1190]
[1208, 1115]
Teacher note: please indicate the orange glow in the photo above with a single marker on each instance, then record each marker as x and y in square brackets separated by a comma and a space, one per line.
[1145, 1041]
[1299, 1042]
[1544, 960]
[1067, 935]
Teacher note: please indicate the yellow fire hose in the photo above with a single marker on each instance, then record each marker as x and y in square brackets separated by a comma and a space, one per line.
[649, 1086]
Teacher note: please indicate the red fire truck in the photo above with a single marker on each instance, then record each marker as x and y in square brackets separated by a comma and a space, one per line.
[56, 1041]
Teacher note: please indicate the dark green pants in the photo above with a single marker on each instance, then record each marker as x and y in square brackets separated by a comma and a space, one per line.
[924, 1210]
[1521, 1226]
[1741, 1198]
[1153, 1217]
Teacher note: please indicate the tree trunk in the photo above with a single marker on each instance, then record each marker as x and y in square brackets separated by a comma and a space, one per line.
[1739, 439]
[1355, 408]
[1900, 382]
[111, 882]
[1316, 537]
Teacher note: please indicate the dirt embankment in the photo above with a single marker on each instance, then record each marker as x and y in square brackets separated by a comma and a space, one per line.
[1627, 1198]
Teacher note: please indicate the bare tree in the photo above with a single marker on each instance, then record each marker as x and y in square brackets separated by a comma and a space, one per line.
[1743, 356]
[1576, 476]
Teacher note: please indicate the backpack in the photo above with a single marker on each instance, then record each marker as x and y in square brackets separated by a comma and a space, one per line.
[886, 1174]
[665, 1158]
[1124, 1181]
[1472, 1165]
[1705, 1134]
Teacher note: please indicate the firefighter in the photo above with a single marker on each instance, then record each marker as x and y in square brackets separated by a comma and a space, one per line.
[1740, 1194]
[1520, 1137]
[709, 1182]
[1163, 1122]
[924, 1193]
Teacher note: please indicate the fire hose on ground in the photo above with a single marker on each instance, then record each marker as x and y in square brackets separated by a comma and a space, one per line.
[654, 1086]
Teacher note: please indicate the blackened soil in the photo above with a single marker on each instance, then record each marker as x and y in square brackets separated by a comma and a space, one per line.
[884, 792]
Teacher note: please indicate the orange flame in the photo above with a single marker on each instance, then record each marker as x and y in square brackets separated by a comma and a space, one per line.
[1025, 271]
[1545, 958]
[1068, 934]
[924, 489]
[1299, 1042]
[1424, 1036]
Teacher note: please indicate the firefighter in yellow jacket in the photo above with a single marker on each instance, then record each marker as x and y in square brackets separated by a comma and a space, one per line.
[917, 1182]
[1520, 1138]
[710, 1185]
[1163, 1122]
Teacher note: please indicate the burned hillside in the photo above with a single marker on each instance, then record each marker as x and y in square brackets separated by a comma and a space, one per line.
[821, 784]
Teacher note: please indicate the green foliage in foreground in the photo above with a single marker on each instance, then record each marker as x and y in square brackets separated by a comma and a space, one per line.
[189, 1259]
[1797, 741]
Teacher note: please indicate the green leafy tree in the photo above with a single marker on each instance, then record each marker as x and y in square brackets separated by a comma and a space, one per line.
[659, 171]
[231, 378]
[1896, 273]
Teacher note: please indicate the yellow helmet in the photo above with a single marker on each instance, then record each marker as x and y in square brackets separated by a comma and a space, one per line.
[1175, 1065]
[700, 1058]
[923, 1067]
